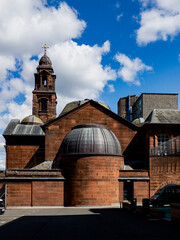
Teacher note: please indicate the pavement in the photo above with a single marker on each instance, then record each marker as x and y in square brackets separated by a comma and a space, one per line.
[83, 223]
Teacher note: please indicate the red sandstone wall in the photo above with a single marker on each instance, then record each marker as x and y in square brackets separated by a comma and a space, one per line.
[163, 170]
[18, 194]
[20, 156]
[56, 132]
[48, 193]
[91, 180]
[36, 193]
[121, 191]
[133, 173]
[141, 190]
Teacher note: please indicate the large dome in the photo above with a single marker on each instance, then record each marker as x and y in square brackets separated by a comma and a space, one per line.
[45, 61]
[91, 139]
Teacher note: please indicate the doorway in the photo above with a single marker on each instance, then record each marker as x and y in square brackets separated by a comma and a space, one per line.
[128, 190]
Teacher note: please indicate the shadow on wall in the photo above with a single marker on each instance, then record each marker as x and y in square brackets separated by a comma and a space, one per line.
[37, 158]
[2, 192]
[82, 224]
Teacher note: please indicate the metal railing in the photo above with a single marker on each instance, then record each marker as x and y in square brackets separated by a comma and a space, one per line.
[169, 148]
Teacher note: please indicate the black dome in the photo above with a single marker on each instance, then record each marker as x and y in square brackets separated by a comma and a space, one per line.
[45, 61]
[91, 139]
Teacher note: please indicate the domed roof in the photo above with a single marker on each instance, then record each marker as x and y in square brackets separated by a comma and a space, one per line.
[70, 106]
[45, 61]
[90, 139]
[32, 120]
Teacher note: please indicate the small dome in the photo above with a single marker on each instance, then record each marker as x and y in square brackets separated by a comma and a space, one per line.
[91, 139]
[32, 120]
[70, 106]
[45, 61]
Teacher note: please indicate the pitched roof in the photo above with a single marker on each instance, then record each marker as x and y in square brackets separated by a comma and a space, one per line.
[15, 128]
[171, 116]
[99, 107]
[75, 104]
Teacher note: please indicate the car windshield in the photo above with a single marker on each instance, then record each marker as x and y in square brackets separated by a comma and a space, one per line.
[159, 191]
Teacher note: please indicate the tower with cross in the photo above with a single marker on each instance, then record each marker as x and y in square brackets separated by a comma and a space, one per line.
[44, 95]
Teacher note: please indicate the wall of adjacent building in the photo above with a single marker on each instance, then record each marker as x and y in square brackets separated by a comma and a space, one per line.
[163, 170]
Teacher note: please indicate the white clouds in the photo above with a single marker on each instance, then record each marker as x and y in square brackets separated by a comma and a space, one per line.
[6, 63]
[79, 71]
[31, 24]
[111, 88]
[29, 67]
[130, 69]
[159, 22]
[119, 17]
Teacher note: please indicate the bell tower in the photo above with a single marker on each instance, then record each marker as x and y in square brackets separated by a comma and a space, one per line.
[44, 95]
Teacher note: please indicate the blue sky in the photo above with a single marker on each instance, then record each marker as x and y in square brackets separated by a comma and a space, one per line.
[101, 50]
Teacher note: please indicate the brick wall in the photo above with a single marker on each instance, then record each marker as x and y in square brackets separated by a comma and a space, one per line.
[35, 193]
[91, 180]
[163, 170]
[21, 156]
[141, 190]
[48, 193]
[18, 194]
[56, 131]
[121, 191]
[133, 173]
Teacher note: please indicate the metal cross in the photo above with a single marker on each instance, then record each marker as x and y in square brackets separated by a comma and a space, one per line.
[45, 48]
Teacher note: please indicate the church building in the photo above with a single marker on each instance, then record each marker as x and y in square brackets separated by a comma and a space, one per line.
[87, 155]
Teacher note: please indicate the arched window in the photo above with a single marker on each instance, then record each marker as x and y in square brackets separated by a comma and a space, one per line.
[44, 80]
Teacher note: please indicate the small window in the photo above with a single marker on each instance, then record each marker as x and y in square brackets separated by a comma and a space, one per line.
[162, 145]
[43, 104]
[162, 138]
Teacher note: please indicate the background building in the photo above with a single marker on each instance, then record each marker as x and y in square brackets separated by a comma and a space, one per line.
[125, 106]
[133, 107]
[149, 101]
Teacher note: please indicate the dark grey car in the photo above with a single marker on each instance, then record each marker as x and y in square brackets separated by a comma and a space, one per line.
[166, 195]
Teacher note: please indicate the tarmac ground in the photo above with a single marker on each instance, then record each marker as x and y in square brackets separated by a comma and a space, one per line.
[83, 223]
